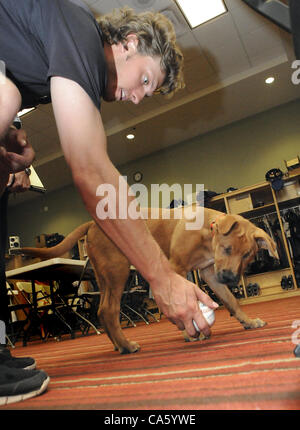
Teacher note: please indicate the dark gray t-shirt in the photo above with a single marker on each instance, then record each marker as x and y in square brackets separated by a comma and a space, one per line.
[44, 38]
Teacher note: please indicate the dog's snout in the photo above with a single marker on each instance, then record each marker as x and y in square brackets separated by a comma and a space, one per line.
[228, 277]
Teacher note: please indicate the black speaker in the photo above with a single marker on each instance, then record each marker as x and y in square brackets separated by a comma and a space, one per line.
[14, 242]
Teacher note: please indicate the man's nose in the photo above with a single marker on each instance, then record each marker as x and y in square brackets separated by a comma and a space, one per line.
[137, 95]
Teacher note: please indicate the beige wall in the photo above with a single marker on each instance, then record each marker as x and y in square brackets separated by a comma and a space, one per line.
[56, 212]
[237, 155]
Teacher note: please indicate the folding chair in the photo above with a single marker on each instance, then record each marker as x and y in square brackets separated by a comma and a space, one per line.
[133, 298]
[80, 301]
[16, 326]
[44, 308]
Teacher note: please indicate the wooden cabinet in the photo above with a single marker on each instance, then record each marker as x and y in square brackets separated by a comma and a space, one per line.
[264, 206]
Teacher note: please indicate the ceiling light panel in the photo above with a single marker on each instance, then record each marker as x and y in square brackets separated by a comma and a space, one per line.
[200, 11]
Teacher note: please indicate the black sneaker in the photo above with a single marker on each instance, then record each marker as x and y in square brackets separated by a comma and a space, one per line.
[7, 360]
[20, 384]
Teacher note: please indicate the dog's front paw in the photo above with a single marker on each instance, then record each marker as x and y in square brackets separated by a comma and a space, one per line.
[187, 338]
[130, 348]
[255, 323]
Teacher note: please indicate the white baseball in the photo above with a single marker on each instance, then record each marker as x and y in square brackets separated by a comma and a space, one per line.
[208, 314]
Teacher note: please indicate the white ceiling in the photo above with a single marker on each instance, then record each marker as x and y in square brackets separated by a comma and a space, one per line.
[226, 63]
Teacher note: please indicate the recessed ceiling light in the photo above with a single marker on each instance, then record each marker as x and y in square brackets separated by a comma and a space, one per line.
[25, 111]
[130, 136]
[198, 12]
[270, 80]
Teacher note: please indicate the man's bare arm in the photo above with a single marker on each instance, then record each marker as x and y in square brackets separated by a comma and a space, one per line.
[15, 152]
[10, 102]
[84, 144]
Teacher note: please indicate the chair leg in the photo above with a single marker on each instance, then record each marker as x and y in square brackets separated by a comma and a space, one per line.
[137, 313]
[151, 314]
[129, 319]
[9, 341]
[62, 319]
[87, 321]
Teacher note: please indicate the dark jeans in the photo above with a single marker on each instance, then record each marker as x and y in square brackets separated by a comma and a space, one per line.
[4, 312]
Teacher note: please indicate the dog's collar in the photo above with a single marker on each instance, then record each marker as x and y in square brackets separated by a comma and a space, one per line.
[214, 222]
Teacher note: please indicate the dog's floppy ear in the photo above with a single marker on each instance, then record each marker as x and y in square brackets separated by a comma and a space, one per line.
[225, 224]
[264, 241]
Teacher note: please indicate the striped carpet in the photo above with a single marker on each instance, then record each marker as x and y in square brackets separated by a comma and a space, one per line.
[234, 370]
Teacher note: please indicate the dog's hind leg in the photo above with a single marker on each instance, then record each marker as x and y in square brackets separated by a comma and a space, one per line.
[109, 311]
[111, 268]
[230, 302]
[111, 281]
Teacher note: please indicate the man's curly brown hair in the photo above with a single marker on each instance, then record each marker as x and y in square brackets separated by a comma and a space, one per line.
[156, 38]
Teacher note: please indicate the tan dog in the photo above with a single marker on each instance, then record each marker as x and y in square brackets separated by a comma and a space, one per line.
[221, 249]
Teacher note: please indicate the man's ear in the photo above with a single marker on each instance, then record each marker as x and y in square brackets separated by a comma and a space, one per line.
[131, 43]
[264, 241]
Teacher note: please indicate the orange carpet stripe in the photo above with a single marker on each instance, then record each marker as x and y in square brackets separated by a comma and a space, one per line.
[235, 369]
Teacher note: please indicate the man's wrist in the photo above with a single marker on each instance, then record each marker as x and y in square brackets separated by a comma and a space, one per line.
[160, 271]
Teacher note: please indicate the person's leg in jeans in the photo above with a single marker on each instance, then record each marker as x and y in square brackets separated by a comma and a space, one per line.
[4, 312]
[18, 380]
[5, 356]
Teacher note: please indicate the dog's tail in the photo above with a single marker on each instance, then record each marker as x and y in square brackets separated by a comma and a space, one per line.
[60, 249]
